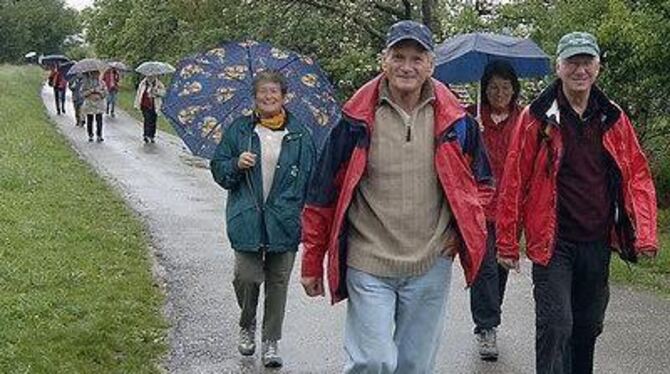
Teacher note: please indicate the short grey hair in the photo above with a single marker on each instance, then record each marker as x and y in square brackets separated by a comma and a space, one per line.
[270, 76]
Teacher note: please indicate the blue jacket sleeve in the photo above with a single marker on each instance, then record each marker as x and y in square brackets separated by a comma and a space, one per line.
[473, 146]
[324, 184]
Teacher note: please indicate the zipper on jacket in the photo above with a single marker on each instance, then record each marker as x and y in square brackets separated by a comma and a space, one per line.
[248, 172]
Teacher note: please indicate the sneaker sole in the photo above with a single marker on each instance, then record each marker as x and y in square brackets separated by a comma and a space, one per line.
[246, 353]
[273, 364]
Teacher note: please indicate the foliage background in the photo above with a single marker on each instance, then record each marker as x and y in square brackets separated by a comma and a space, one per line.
[346, 37]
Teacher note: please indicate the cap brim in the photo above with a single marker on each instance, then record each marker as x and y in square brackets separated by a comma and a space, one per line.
[574, 51]
[398, 40]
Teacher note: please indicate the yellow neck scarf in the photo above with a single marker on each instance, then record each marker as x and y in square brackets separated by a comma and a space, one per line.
[275, 122]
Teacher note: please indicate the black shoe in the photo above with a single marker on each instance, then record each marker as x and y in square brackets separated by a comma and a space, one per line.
[90, 138]
[152, 140]
[100, 139]
[146, 139]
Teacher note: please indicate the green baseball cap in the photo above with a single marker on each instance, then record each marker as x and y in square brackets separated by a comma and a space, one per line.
[577, 43]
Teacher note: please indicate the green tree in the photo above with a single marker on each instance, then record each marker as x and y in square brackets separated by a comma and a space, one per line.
[35, 25]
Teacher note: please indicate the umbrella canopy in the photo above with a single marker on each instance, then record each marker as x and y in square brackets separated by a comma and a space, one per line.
[155, 68]
[87, 65]
[118, 65]
[212, 89]
[462, 59]
[64, 69]
[53, 59]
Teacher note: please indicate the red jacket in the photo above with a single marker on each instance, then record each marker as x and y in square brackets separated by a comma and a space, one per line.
[57, 80]
[497, 138]
[111, 78]
[528, 192]
[460, 162]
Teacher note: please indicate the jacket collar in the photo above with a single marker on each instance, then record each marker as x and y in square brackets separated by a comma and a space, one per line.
[362, 105]
[293, 126]
[545, 107]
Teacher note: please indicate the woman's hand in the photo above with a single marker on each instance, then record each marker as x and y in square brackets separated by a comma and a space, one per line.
[246, 160]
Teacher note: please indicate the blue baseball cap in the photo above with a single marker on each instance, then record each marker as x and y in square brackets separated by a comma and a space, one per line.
[410, 30]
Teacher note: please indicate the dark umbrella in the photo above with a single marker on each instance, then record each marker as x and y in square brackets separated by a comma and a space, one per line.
[211, 89]
[462, 59]
[53, 59]
[64, 69]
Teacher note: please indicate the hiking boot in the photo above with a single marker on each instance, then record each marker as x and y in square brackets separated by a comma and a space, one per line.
[271, 358]
[488, 349]
[247, 342]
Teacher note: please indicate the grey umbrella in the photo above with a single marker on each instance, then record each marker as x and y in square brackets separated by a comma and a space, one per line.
[118, 65]
[155, 68]
[86, 65]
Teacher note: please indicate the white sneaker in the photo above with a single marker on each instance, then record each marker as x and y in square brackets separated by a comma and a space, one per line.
[247, 342]
[271, 358]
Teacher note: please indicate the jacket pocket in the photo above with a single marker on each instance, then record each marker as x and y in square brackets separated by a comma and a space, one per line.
[242, 228]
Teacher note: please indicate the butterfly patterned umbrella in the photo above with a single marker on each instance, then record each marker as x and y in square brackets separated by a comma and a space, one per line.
[212, 89]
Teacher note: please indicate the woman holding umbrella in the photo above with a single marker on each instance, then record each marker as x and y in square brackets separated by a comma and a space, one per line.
[150, 93]
[497, 115]
[149, 99]
[264, 161]
[59, 84]
[93, 92]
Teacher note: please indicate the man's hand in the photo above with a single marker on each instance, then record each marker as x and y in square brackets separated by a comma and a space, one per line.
[509, 264]
[246, 160]
[313, 286]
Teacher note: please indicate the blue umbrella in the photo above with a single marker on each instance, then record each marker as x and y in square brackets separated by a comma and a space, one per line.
[462, 59]
[211, 89]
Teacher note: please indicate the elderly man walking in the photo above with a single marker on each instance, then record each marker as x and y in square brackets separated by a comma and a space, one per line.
[397, 193]
[577, 180]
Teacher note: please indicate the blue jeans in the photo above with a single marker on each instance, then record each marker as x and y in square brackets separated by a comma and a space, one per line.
[393, 325]
[111, 101]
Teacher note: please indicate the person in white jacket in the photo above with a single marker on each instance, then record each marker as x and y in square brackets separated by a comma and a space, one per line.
[149, 99]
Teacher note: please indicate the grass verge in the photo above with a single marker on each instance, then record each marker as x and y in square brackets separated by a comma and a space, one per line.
[653, 275]
[76, 290]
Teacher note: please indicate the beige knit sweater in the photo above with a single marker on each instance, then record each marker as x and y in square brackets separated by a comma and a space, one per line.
[399, 215]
